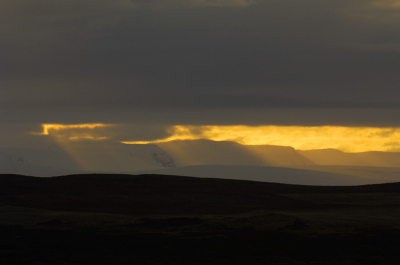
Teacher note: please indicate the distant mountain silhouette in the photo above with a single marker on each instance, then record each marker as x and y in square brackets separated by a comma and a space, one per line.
[336, 157]
[104, 156]
[206, 158]
[207, 152]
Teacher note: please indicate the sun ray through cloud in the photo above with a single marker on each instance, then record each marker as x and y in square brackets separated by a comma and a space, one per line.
[70, 136]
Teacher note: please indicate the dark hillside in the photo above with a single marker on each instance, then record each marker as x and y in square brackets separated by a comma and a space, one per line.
[155, 219]
[144, 194]
[158, 194]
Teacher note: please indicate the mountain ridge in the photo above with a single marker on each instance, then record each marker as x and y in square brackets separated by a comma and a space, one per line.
[205, 156]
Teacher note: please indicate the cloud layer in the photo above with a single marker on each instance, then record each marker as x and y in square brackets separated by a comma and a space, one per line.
[200, 61]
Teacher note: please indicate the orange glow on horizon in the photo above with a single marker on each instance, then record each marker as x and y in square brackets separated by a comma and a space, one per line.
[348, 139]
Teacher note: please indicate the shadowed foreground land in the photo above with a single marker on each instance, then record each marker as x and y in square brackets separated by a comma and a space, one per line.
[150, 219]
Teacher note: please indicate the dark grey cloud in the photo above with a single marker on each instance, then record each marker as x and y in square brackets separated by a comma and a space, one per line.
[176, 61]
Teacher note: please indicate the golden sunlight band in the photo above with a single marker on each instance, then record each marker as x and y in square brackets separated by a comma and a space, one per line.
[348, 139]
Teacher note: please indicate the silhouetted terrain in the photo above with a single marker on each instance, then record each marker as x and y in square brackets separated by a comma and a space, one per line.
[300, 175]
[337, 157]
[155, 219]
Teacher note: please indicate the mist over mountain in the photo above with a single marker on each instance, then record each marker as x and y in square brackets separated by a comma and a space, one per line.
[90, 157]
[48, 156]
[206, 158]
[13, 164]
[207, 152]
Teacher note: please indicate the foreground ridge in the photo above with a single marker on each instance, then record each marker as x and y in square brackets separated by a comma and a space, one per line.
[161, 219]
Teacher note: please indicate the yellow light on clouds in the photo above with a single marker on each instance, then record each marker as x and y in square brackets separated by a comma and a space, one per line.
[348, 139]
[59, 127]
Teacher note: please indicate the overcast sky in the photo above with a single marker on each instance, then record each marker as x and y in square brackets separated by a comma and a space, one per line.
[168, 62]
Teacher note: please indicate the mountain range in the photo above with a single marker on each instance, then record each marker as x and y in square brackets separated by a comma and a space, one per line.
[206, 158]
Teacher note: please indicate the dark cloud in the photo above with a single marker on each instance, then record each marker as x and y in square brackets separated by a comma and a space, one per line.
[176, 61]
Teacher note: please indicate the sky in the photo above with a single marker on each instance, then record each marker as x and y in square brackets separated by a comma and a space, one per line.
[143, 67]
